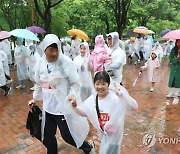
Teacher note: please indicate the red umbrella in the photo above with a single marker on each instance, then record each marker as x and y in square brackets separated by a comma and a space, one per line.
[36, 29]
[174, 34]
[4, 35]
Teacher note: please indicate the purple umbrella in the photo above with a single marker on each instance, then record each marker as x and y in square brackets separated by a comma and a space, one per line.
[36, 29]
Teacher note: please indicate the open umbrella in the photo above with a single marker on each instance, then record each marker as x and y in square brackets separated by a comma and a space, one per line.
[142, 30]
[79, 34]
[4, 35]
[164, 32]
[36, 29]
[174, 34]
[24, 33]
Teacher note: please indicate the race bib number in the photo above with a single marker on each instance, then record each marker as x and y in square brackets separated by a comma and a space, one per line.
[104, 117]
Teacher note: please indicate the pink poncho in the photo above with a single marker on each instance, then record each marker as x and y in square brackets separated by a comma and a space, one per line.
[99, 55]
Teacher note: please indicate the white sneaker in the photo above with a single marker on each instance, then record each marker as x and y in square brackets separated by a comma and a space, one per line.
[7, 91]
[152, 89]
[178, 94]
[20, 86]
[9, 81]
[170, 95]
[175, 101]
[32, 88]
[92, 147]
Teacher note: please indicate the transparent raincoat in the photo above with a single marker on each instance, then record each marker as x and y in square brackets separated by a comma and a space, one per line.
[117, 102]
[53, 88]
[2, 75]
[82, 64]
[5, 62]
[32, 59]
[20, 56]
[118, 58]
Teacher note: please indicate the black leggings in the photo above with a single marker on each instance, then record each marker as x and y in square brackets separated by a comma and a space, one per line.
[4, 87]
[52, 121]
[7, 77]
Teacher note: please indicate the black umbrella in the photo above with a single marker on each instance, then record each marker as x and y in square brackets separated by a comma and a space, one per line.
[164, 32]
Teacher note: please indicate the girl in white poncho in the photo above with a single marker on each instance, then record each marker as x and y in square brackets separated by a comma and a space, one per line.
[106, 111]
[84, 68]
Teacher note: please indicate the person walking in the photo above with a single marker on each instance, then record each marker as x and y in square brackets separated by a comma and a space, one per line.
[117, 57]
[3, 84]
[152, 66]
[56, 78]
[20, 56]
[99, 55]
[85, 71]
[174, 76]
[106, 111]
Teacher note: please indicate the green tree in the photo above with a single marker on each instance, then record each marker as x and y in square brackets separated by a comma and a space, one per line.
[44, 10]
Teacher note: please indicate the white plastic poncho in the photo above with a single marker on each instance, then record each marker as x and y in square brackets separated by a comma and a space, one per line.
[5, 62]
[118, 58]
[32, 59]
[6, 47]
[115, 106]
[147, 47]
[75, 46]
[2, 75]
[20, 56]
[82, 64]
[53, 88]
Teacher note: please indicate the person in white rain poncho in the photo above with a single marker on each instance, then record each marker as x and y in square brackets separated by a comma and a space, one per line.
[170, 45]
[5, 66]
[158, 48]
[66, 48]
[84, 68]
[106, 111]
[118, 57]
[32, 60]
[6, 47]
[20, 56]
[3, 78]
[75, 46]
[56, 78]
[147, 47]
[138, 44]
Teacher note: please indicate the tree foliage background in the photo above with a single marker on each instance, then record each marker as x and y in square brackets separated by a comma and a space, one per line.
[92, 16]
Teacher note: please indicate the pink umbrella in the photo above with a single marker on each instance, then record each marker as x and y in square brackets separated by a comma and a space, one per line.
[174, 34]
[4, 35]
[36, 29]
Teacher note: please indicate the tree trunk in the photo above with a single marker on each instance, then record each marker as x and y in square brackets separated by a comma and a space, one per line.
[121, 9]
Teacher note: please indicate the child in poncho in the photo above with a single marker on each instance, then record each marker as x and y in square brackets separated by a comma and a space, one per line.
[99, 55]
[152, 66]
[106, 111]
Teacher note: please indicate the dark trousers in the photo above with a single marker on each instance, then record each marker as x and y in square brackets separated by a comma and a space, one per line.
[52, 121]
[7, 77]
[4, 87]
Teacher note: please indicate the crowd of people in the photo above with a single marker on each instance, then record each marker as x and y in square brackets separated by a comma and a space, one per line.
[76, 83]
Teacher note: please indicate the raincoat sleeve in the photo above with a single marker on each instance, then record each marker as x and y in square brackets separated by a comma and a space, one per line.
[114, 66]
[145, 65]
[79, 111]
[37, 94]
[123, 95]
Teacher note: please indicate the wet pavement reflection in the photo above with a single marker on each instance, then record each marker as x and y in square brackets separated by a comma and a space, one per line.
[153, 129]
